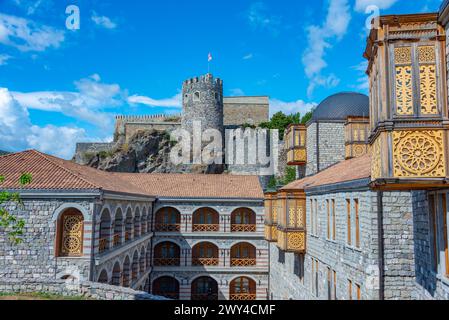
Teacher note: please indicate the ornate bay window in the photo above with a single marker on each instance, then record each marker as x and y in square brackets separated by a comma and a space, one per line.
[271, 217]
[407, 71]
[295, 143]
[291, 221]
[356, 136]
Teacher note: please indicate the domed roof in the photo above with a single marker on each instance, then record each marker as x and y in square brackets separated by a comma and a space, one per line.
[342, 105]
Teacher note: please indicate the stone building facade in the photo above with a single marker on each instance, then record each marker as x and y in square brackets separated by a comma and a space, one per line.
[374, 226]
[137, 230]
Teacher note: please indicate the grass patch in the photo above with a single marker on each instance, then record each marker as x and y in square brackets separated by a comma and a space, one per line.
[38, 296]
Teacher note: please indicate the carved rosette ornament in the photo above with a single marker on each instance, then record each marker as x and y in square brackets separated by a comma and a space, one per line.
[419, 154]
[296, 241]
[72, 235]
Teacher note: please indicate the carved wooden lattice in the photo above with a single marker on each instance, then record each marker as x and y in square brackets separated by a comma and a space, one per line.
[428, 80]
[419, 154]
[206, 228]
[243, 228]
[404, 82]
[205, 261]
[72, 235]
[296, 241]
[376, 160]
[243, 262]
[242, 297]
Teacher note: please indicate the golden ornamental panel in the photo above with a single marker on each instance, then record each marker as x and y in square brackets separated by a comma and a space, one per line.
[376, 160]
[274, 233]
[282, 240]
[296, 241]
[72, 235]
[428, 89]
[426, 54]
[404, 90]
[403, 55]
[419, 154]
[300, 155]
[359, 150]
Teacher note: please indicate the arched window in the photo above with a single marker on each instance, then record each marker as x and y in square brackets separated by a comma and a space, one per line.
[135, 266]
[105, 231]
[243, 255]
[142, 265]
[205, 254]
[118, 228]
[126, 272]
[242, 288]
[204, 288]
[70, 234]
[103, 278]
[168, 220]
[196, 96]
[243, 220]
[166, 287]
[129, 226]
[116, 275]
[167, 254]
[205, 220]
[144, 222]
[137, 223]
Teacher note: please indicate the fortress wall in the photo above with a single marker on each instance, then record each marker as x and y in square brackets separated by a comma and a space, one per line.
[246, 110]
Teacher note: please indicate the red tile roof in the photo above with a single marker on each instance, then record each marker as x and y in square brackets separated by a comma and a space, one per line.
[51, 173]
[345, 171]
[197, 185]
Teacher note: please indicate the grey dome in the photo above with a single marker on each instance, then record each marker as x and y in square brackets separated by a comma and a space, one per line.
[342, 105]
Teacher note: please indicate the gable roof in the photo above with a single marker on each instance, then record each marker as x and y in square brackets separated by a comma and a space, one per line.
[345, 171]
[51, 173]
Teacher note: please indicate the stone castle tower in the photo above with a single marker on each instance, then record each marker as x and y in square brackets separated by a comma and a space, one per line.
[203, 101]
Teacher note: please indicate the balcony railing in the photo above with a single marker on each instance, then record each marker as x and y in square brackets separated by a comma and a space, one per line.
[125, 281]
[128, 235]
[206, 228]
[134, 275]
[205, 262]
[204, 296]
[117, 239]
[243, 296]
[166, 262]
[243, 228]
[163, 227]
[103, 246]
[236, 262]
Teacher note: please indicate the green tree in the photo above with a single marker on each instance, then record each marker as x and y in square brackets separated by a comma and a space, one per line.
[12, 226]
[281, 121]
[290, 175]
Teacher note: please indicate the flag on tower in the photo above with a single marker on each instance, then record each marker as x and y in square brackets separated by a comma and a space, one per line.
[209, 57]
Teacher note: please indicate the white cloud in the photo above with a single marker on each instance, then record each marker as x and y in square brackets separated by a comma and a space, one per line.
[320, 39]
[4, 59]
[88, 103]
[362, 82]
[248, 56]
[27, 35]
[290, 107]
[19, 133]
[361, 5]
[103, 21]
[174, 102]
[260, 18]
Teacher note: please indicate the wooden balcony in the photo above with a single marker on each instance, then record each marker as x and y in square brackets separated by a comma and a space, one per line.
[103, 245]
[297, 157]
[163, 227]
[292, 241]
[207, 262]
[243, 228]
[206, 228]
[271, 233]
[243, 296]
[166, 262]
[246, 262]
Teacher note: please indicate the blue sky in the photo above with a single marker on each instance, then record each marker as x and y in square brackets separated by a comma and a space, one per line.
[60, 86]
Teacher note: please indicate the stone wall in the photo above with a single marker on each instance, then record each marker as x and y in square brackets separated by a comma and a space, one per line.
[35, 257]
[69, 288]
[246, 110]
[328, 148]
[132, 128]
[287, 281]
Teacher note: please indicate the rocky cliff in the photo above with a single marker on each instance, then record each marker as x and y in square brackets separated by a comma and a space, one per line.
[145, 152]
